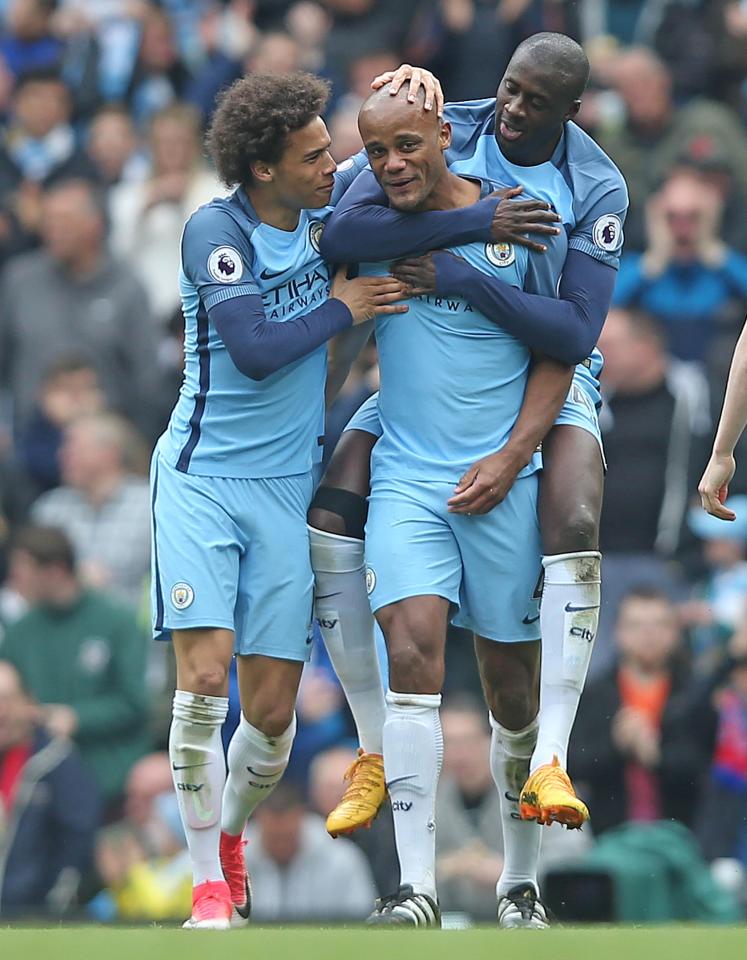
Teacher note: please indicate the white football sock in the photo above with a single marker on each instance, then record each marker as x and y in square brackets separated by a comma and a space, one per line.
[256, 763]
[569, 615]
[510, 751]
[341, 606]
[413, 754]
[199, 772]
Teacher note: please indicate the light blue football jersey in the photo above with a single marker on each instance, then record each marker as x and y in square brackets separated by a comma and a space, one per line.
[579, 181]
[224, 424]
[452, 381]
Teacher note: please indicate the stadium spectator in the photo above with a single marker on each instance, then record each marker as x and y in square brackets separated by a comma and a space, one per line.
[82, 657]
[50, 810]
[726, 21]
[103, 505]
[362, 27]
[39, 148]
[655, 133]
[72, 293]
[29, 42]
[148, 215]
[327, 781]
[656, 411]
[114, 146]
[718, 602]
[159, 77]
[33, 41]
[478, 39]
[687, 276]
[276, 53]
[142, 858]
[298, 872]
[721, 823]
[70, 389]
[645, 729]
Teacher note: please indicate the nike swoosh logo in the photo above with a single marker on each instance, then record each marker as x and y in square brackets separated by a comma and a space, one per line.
[390, 783]
[569, 608]
[527, 619]
[255, 774]
[326, 596]
[269, 275]
[189, 766]
[511, 797]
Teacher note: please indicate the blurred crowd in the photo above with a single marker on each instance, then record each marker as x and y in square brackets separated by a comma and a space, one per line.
[103, 106]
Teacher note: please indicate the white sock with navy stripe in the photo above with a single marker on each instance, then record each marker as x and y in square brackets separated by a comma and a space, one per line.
[256, 763]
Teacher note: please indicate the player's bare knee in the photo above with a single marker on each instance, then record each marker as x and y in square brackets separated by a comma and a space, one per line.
[577, 530]
[272, 720]
[209, 678]
[513, 709]
[414, 670]
[416, 657]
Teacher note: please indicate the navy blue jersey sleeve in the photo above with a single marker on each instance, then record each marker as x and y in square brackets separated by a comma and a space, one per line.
[259, 347]
[363, 227]
[565, 330]
[216, 256]
[217, 261]
[601, 210]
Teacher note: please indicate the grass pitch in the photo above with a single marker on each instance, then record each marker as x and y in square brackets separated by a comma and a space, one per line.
[680, 942]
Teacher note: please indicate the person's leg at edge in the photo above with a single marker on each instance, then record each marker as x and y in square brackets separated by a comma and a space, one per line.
[510, 678]
[337, 518]
[260, 747]
[198, 767]
[257, 757]
[415, 632]
[570, 505]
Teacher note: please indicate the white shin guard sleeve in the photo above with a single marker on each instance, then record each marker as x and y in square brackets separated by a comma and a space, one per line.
[341, 606]
[256, 764]
[569, 617]
[199, 773]
[413, 755]
[510, 752]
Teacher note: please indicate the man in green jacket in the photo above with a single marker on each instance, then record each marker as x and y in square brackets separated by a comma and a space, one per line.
[81, 656]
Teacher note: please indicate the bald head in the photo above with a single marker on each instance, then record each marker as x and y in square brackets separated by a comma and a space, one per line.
[559, 55]
[382, 101]
[539, 92]
[405, 146]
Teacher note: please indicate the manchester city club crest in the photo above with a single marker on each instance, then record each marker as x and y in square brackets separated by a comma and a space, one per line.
[182, 595]
[370, 580]
[500, 254]
[316, 229]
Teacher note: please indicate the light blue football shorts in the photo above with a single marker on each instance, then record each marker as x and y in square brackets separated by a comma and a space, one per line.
[233, 553]
[487, 566]
[577, 411]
